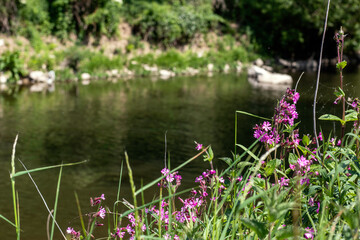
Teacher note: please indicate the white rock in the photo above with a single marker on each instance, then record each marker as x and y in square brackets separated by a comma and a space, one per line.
[166, 73]
[239, 66]
[38, 76]
[150, 69]
[259, 62]
[2, 42]
[263, 76]
[192, 71]
[210, 67]
[85, 77]
[127, 72]
[51, 77]
[3, 78]
[226, 68]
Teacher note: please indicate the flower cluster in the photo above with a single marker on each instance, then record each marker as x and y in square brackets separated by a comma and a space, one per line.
[100, 213]
[74, 234]
[285, 114]
[170, 177]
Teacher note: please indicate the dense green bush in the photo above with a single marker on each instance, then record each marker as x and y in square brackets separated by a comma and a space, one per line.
[11, 62]
[170, 24]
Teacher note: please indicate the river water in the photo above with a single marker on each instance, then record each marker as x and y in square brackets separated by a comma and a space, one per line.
[143, 117]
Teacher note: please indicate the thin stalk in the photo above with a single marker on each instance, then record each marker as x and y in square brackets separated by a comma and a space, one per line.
[118, 196]
[318, 75]
[133, 190]
[56, 204]
[80, 214]
[14, 189]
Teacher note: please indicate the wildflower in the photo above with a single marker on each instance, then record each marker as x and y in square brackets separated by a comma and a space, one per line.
[311, 202]
[320, 136]
[284, 182]
[354, 104]
[73, 233]
[309, 233]
[318, 209]
[338, 142]
[118, 233]
[304, 180]
[303, 162]
[266, 126]
[97, 200]
[292, 167]
[198, 146]
[101, 213]
[337, 100]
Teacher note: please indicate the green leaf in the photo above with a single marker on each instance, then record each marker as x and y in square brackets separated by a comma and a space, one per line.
[290, 129]
[306, 140]
[259, 228]
[227, 160]
[270, 167]
[285, 233]
[253, 115]
[209, 156]
[341, 65]
[330, 117]
[351, 116]
[339, 93]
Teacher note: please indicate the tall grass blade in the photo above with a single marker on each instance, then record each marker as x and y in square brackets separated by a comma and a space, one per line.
[56, 204]
[118, 194]
[7, 220]
[14, 195]
[253, 115]
[80, 214]
[46, 168]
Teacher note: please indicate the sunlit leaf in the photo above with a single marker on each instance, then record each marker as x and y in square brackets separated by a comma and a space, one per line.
[330, 117]
[258, 227]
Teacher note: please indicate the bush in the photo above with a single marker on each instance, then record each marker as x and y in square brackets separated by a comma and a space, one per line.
[11, 61]
[170, 24]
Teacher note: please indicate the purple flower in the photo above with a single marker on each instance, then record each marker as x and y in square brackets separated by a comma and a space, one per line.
[118, 233]
[73, 233]
[354, 104]
[101, 213]
[165, 171]
[309, 233]
[318, 209]
[303, 162]
[266, 126]
[320, 136]
[292, 167]
[311, 202]
[284, 182]
[198, 146]
[97, 200]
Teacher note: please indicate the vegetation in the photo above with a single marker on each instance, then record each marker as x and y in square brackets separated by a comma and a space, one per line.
[288, 29]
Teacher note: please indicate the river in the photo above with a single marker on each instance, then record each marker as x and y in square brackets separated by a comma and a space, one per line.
[143, 117]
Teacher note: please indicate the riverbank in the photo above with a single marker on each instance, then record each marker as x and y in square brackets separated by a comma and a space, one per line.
[28, 61]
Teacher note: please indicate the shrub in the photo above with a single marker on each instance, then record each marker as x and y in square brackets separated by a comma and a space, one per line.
[170, 24]
[11, 61]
